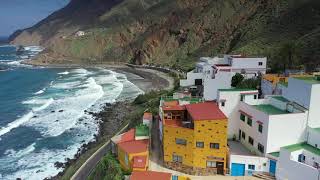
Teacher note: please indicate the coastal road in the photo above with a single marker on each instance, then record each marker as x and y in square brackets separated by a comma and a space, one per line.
[84, 171]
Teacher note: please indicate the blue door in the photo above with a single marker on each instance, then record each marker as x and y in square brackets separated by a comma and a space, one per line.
[272, 168]
[237, 169]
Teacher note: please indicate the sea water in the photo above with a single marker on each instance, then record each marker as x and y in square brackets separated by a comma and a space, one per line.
[42, 112]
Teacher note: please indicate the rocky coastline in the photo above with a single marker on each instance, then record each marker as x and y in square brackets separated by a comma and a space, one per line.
[113, 116]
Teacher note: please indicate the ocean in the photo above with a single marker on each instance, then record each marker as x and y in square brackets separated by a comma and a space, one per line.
[43, 116]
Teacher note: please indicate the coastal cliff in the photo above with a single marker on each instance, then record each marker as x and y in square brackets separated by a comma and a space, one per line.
[175, 33]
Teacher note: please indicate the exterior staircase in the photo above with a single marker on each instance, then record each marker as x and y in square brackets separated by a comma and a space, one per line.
[264, 175]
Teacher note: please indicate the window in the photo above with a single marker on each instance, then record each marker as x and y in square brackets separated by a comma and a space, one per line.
[261, 148]
[251, 167]
[243, 135]
[260, 63]
[260, 127]
[211, 164]
[242, 117]
[251, 140]
[249, 121]
[199, 144]
[255, 96]
[223, 103]
[214, 145]
[181, 141]
[126, 159]
[176, 158]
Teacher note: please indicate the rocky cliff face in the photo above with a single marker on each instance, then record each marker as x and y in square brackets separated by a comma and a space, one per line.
[176, 32]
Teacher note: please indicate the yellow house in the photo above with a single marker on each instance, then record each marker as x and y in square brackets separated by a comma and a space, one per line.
[134, 155]
[195, 138]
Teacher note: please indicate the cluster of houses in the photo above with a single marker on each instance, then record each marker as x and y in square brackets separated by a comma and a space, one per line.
[212, 128]
[132, 150]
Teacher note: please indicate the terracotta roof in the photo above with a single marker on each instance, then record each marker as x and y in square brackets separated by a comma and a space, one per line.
[173, 108]
[147, 116]
[139, 162]
[136, 146]
[147, 175]
[127, 136]
[205, 111]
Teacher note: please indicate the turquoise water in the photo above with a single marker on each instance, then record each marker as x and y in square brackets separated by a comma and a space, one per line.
[42, 113]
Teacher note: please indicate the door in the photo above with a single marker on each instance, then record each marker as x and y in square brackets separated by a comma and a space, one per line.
[239, 138]
[272, 168]
[237, 169]
[220, 168]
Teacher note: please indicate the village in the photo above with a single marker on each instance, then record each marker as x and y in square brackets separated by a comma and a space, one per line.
[211, 129]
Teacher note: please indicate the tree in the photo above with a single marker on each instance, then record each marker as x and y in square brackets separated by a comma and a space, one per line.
[236, 80]
[289, 53]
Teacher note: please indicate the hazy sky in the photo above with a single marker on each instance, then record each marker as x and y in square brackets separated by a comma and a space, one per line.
[19, 14]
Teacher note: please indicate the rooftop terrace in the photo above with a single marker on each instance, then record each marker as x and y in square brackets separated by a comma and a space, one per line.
[238, 89]
[142, 130]
[191, 99]
[269, 109]
[281, 98]
[311, 80]
[305, 146]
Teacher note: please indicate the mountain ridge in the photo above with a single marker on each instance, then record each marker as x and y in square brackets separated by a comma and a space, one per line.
[176, 33]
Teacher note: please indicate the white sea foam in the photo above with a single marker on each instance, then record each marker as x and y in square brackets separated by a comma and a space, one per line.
[33, 48]
[71, 109]
[16, 123]
[74, 96]
[64, 73]
[40, 91]
[44, 106]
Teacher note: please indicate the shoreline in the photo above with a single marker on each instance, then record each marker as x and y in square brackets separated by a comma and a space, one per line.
[112, 117]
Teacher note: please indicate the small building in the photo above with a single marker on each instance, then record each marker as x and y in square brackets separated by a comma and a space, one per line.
[124, 137]
[194, 137]
[272, 84]
[299, 161]
[134, 150]
[147, 118]
[216, 73]
[244, 162]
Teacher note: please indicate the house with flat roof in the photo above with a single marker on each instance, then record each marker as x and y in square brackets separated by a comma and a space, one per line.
[258, 125]
[194, 137]
[216, 73]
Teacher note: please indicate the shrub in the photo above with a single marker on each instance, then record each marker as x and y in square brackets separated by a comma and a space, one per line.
[107, 169]
[236, 80]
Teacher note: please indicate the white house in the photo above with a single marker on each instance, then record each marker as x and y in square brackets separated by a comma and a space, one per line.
[216, 73]
[259, 124]
[243, 162]
[306, 92]
[299, 161]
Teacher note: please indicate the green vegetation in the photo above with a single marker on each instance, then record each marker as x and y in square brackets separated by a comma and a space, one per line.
[175, 33]
[236, 80]
[108, 169]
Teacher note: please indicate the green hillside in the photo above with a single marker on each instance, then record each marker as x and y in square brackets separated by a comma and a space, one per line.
[176, 33]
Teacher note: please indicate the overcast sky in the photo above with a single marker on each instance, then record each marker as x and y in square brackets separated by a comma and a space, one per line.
[19, 14]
